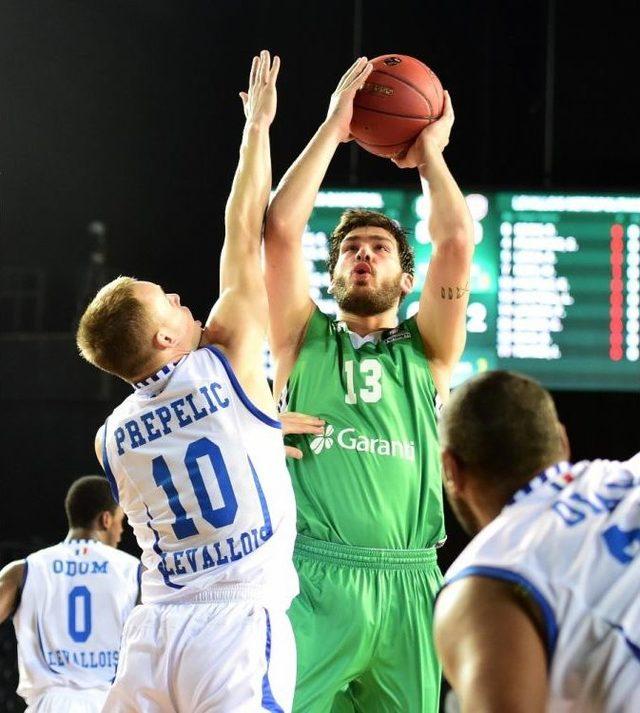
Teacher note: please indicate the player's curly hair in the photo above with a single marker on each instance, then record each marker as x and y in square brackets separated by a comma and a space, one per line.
[358, 218]
[113, 333]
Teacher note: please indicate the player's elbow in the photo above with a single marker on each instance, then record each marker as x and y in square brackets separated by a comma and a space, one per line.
[278, 226]
[458, 246]
[242, 241]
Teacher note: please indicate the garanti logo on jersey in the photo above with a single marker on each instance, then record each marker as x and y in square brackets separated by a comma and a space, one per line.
[349, 440]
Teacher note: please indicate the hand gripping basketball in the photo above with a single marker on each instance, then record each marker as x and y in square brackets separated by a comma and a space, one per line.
[433, 137]
[341, 105]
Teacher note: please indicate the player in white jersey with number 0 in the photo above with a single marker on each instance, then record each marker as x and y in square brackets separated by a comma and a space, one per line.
[69, 605]
[197, 459]
[541, 612]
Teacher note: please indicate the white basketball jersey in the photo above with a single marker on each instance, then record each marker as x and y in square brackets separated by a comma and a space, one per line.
[201, 475]
[74, 602]
[571, 539]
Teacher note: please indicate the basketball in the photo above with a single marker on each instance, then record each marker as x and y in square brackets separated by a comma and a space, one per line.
[400, 97]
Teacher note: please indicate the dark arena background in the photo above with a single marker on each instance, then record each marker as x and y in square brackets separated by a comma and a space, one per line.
[119, 127]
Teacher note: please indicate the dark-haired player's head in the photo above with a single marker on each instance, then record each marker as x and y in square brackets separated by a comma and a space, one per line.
[371, 263]
[131, 325]
[498, 431]
[91, 509]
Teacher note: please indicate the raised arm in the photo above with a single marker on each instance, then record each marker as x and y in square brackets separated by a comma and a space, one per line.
[441, 315]
[491, 651]
[285, 272]
[238, 321]
[10, 582]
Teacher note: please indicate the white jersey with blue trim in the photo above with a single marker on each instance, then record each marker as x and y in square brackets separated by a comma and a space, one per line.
[571, 540]
[201, 474]
[74, 602]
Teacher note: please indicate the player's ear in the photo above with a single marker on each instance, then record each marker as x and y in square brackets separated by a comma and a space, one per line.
[564, 440]
[406, 283]
[163, 338]
[105, 520]
[452, 473]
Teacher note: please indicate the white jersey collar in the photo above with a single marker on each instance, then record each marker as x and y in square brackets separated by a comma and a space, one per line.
[557, 476]
[154, 384]
[356, 340]
[68, 540]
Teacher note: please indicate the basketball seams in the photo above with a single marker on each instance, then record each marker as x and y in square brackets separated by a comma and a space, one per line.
[393, 113]
[405, 144]
[408, 84]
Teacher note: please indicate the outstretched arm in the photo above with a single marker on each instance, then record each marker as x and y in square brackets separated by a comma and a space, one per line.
[441, 315]
[238, 321]
[285, 272]
[10, 583]
[491, 651]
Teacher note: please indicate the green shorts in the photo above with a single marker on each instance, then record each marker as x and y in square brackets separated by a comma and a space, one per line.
[363, 628]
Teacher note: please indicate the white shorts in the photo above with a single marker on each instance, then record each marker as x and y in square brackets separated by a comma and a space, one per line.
[196, 658]
[69, 700]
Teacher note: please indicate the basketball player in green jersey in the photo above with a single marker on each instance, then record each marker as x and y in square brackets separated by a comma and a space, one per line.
[369, 489]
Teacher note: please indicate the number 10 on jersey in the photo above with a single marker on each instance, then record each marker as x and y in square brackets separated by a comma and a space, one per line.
[371, 374]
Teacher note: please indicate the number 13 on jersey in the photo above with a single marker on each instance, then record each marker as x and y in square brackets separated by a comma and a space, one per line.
[371, 375]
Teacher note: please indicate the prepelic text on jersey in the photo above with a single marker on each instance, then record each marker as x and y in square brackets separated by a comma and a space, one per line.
[156, 423]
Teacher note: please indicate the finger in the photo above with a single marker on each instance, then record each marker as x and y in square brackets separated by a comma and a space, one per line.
[260, 65]
[245, 98]
[448, 106]
[275, 69]
[360, 77]
[265, 60]
[306, 417]
[292, 452]
[254, 72]
[302, 428]
[401, 162]
[346, 77]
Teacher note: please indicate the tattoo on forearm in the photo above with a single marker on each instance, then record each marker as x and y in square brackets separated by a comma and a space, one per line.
[453, 293]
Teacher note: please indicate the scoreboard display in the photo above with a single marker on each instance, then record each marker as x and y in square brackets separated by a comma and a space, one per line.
[555, 284]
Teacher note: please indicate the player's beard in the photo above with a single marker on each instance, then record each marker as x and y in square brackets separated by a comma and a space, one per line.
[367, 301]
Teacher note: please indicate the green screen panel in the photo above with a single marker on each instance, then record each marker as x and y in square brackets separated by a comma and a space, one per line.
[555, 285]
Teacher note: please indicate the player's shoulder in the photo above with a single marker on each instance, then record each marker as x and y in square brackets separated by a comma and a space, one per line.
[13, 572]
[207, 359]
[321, 323]
[44, 554]
[600, 470]
[510, 543]
[122, 559]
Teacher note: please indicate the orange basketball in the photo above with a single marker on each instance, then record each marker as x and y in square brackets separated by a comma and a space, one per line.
[400, 97]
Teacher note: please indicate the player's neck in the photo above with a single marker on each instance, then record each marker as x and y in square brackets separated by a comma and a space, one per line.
[168, 356]
[85, 533]
[365, 325]
[486, 504]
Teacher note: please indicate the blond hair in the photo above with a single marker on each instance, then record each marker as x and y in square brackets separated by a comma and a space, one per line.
[114, 332]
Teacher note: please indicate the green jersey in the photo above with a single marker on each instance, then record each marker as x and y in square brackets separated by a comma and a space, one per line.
[373, 478]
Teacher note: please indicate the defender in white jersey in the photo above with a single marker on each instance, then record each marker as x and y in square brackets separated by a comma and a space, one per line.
[197, 460]
[69, 605]
[541, 612]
